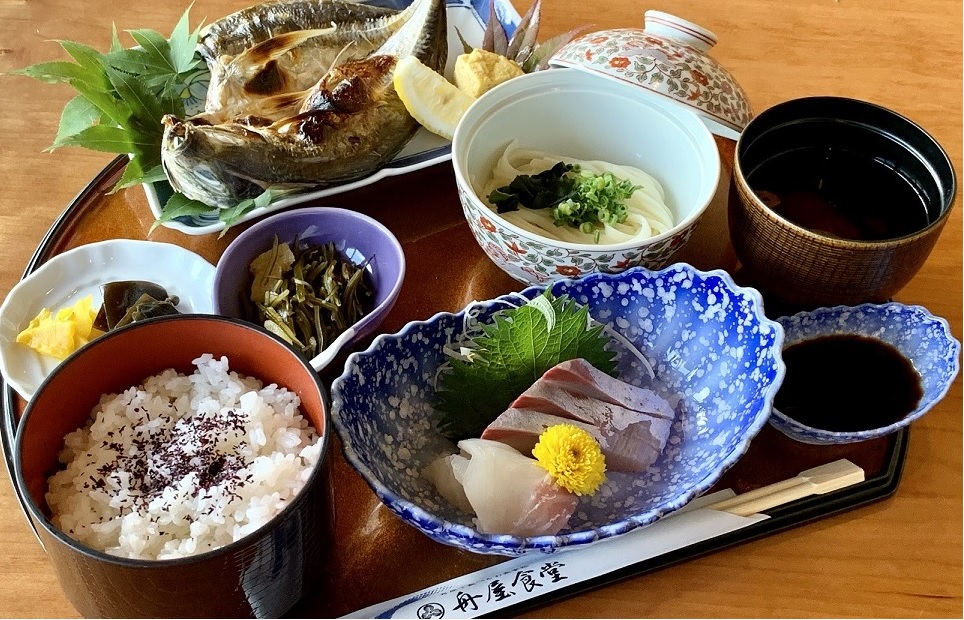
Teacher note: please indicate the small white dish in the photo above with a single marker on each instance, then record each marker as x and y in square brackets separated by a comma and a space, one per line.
[70, 276]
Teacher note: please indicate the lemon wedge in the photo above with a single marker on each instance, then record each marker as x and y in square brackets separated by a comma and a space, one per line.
[433, 101]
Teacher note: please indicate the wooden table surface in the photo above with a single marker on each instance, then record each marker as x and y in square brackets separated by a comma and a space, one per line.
[900, 557]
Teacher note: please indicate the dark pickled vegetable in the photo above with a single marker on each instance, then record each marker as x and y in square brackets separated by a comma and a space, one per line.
[147, 307]
[120, 296]
[307, 295]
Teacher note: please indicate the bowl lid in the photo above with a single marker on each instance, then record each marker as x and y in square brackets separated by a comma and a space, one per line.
[668, 57]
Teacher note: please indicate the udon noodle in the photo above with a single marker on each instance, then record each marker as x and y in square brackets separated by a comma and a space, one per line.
[648, 214]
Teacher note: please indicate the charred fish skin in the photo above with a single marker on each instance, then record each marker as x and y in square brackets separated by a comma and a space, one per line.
[343, 129]
[248, 27]
[259, 57]
[349, 125]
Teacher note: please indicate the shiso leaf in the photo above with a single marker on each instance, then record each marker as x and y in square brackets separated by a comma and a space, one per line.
[515, 349]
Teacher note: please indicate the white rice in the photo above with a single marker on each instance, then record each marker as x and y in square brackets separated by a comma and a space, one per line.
[182, 464]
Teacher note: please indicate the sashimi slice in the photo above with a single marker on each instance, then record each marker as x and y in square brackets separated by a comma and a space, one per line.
[631, 424]
[446, 473]
[579, 377]
[631, 440]
[631, 447]
[508, 492]
[520, 428]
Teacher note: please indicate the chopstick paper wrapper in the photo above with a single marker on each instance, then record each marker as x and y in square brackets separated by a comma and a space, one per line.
[527, 577]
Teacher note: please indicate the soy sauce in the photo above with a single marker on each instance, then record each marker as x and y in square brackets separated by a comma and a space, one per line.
[847, 383]
[841, 193]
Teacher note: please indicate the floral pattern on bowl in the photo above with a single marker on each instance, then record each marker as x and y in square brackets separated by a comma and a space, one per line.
[706, 338]
[924, 339]
[669, 58]
[531, 261]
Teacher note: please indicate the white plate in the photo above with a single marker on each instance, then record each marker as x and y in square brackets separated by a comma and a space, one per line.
[67, 277]
[424, 149]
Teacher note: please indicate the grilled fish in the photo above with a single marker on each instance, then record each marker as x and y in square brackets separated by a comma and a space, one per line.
[265, 127]
[262, 58]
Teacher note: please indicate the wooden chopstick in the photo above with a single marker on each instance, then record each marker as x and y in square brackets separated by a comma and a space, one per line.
[816, 481]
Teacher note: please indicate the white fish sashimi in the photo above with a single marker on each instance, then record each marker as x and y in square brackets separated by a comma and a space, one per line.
[446, 473]
[508, 492]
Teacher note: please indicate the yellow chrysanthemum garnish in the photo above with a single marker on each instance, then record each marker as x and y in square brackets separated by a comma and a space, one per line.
[572, 457]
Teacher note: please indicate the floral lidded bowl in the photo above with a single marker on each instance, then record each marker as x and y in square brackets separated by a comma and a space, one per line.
[667, 57]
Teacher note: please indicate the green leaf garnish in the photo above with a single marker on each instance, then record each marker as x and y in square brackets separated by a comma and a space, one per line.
[232, 215]
[183, 44]
[517, 348]
[87, 57]
[123, 94]
[578, 199]
[101, 138]
[78, 115]
[177, 206]
[56, 72]
[115, 42]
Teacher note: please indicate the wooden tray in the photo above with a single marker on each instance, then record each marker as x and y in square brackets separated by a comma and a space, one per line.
[377, 556]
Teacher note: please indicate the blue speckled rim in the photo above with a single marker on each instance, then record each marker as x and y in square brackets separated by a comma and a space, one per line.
[471, 539]
[922, 316]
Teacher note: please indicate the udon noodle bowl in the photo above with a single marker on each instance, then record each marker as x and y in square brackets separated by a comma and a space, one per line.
[648, 214]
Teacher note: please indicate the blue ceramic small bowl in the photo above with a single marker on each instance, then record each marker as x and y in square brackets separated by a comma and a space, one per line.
[707, 340]
[357, 236]
[924, 339]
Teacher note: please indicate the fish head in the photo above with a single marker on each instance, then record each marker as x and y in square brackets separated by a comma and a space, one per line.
[194, 164]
